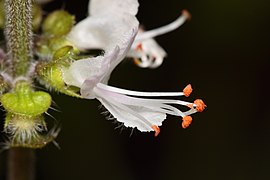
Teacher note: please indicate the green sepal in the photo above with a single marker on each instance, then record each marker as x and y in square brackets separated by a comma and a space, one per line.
[24, 101]
[18, 126]
[50, 75]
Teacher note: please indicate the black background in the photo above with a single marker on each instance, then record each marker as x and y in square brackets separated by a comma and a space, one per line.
[224, 53]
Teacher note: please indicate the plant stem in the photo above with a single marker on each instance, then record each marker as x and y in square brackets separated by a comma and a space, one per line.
[21, 164]
[18, 34]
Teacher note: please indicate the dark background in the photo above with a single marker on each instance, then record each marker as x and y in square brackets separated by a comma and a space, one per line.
[224, 53]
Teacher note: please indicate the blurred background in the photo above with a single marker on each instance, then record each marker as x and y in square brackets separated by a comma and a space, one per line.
[224, 52]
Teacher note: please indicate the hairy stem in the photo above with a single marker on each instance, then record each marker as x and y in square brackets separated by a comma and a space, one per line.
[21, 164]
[18, 34]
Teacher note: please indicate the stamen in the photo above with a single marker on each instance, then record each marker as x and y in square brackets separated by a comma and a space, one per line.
[137, 61]
[164, 29]
[187, 14]
[156, 129]
[200, 106]
[138, 93]
[186, 121]
[187, 90]
[139, 47]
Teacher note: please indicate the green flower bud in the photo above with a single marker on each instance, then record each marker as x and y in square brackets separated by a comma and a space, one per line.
[47, 47]
[58, 42]
[24, 101]
[58, 23]
[37, 16]
[66, 52]
[43, 49]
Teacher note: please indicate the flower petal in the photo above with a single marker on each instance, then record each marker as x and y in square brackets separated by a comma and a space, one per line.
[97, 7]
[85, 73]
[132, 116]
[101, 32]
[90, 68]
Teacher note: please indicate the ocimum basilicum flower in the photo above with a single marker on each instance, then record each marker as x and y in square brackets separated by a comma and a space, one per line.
[101, 28]
[60, 61]
[142, 110]
[147, 53]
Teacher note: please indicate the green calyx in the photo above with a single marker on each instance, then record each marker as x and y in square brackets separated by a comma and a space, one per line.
[51, 73]
[24, 101]
[58, 23]
[28, 131]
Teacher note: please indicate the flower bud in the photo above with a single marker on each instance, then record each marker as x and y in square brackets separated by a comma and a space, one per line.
[66, 52]
[58, 23]
[47, 47]
[37, 16]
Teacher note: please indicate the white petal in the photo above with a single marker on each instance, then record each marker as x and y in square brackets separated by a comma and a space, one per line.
[90, 68]
[91, 33]
[85, 73]
[151, 53]
[101, 32]
[131, 117]
[97, 7]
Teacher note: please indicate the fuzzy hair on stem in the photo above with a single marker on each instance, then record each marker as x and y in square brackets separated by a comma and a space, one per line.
[18, 34]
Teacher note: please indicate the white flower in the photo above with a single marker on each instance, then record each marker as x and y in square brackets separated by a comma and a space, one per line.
[146, 51]
[107, 21]
[102, 27]
[91, 75]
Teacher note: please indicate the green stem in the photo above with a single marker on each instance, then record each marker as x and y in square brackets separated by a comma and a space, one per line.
[21, 164]
[18, 34]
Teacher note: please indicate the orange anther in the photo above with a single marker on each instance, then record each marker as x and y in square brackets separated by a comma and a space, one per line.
[139, 47]
[186, 121]
[156, 129]
[137, 61]
[187, 90]
[200, 106]
[186, 14]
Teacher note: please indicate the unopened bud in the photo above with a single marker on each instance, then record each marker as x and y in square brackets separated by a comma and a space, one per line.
[58, 23]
